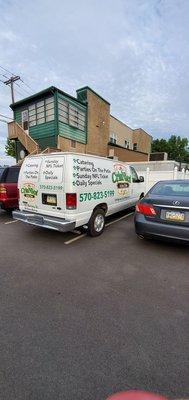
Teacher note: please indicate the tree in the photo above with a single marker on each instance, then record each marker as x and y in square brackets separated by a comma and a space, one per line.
[10, 148]
[159, 146]
[175, 146]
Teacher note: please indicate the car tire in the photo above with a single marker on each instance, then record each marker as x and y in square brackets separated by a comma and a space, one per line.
[9, 210]
[96, 223]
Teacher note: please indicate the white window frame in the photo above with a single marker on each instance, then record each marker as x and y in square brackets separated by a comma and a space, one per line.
[71, 115]
[113, 138]
[41, 111]
[128, 145]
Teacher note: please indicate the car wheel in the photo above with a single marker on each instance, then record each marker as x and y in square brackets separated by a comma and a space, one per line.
[96, 223]
[9, 210]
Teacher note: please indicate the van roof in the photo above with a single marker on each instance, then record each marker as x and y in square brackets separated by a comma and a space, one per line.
[70, 153]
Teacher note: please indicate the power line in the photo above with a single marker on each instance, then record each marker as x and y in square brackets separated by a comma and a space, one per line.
[2, 106]
[3, 120]
[17, 91]
[6, 70]
[26, 84]
[5, 76]
[22, 88]
[11, 80]
[26, 91]
[5, 116]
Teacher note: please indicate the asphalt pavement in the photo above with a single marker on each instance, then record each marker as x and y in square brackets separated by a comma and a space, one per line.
[91, 317]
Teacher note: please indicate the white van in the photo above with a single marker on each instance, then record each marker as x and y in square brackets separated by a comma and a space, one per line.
[62, 191]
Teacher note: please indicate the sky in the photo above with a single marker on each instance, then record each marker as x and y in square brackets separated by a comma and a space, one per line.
[134, 53]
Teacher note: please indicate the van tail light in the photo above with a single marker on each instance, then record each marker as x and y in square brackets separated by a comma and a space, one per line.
[71, 201]
[145, 209]
[3, 192]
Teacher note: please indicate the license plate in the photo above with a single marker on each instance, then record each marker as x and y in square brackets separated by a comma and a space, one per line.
[175, 216]
[51, 199]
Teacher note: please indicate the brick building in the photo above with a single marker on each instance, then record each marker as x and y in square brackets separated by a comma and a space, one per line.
[53, 120]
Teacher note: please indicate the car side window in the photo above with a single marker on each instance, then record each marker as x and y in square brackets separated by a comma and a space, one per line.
[134, 175]
[12, 175]
[2, 170]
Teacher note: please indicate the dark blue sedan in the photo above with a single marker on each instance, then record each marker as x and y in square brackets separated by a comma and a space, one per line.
[163, 213]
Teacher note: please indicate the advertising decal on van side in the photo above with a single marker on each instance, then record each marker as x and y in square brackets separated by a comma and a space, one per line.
[87, 174]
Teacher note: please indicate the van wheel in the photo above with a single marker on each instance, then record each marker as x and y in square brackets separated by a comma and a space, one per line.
[96, 223]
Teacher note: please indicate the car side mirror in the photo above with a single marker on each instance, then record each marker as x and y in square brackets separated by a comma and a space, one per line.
[141, 178]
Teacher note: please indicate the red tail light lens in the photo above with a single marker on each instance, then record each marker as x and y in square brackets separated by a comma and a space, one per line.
[145, 209]
[71, 201]
[3, 192]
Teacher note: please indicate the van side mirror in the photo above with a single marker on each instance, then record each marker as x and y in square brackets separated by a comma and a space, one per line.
[141, 178]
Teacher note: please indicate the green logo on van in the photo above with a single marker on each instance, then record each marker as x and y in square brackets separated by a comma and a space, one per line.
[29, 190]
[120, 174]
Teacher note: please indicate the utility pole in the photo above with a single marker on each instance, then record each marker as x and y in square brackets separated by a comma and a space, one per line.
[11, 83]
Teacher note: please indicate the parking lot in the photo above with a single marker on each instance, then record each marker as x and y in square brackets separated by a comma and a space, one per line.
[84, 317]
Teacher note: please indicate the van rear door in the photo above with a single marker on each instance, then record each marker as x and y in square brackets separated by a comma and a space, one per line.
[41, 185]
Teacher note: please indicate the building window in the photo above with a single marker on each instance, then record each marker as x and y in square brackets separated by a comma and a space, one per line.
[73, 144]
[127, 144]
[113, 138]
[135, 146]
[71, 115]
[63, 111]
[41, 111]
[49, 109]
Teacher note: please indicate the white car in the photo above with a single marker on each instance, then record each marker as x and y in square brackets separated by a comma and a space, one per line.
[62, 191]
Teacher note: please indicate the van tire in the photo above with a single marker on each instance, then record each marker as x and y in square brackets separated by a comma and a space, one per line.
[96, 223]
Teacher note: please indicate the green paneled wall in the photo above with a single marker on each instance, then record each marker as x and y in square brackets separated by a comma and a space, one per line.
[49, 141]
[17, 116]
[42, 130]
[69, 132]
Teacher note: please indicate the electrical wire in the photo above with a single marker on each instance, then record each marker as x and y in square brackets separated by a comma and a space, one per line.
[26, 84]
[2, 106]
[6, 70]
[18, 92]
[11, 73]
[3, 120]
[5, 116]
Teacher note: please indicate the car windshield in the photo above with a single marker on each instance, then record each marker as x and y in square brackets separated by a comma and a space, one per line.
[171, 189]
[1, 172]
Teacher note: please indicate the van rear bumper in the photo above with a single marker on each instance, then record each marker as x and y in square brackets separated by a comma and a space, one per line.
[44, 221]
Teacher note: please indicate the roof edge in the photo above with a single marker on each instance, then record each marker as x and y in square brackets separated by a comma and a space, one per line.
[47, 90]
[121, 147]
[88, 88]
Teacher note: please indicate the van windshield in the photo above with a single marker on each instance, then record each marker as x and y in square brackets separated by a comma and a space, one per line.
[1, 172]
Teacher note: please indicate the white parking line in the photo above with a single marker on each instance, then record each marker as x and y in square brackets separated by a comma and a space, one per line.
[11, 222]
[119, 219]
[108, 224]
[76, 238]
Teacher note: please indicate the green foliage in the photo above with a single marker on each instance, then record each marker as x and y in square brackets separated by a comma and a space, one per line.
[175, 146]
[10, 148]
